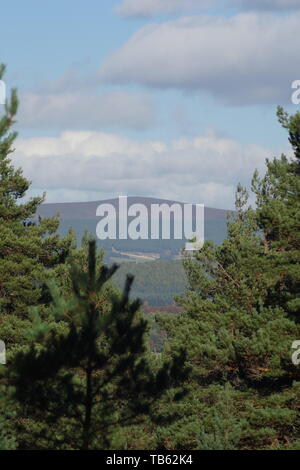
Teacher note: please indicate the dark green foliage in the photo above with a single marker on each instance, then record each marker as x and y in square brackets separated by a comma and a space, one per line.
[7, 438]
[242, 316]
[86, 381]
[222, 428]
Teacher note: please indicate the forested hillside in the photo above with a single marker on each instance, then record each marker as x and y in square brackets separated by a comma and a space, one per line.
[156, 282]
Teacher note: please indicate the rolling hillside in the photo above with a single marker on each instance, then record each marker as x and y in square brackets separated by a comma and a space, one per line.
[156, 265]
[82, 216]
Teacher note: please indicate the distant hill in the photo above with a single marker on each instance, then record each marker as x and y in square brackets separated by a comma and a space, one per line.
[81, 216]
[87, 210]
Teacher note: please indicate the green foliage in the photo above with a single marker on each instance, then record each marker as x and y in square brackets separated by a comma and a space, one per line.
[7, 439]
[222, 428]
[29, 252]
[242, 312]
[84, 382]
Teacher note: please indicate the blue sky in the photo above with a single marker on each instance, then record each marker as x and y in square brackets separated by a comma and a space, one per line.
[166, 98]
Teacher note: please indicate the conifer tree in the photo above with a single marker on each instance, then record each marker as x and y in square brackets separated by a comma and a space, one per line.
[28, 251]
[86, 381]
[222, 428]
[241, 315]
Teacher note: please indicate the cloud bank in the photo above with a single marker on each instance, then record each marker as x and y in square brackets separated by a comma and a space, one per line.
[93, 165]
[241, 60]
[80, 110]
[150, 8]
[267, 4]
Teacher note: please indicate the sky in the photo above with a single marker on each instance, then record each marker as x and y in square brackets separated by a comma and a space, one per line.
[164, 98]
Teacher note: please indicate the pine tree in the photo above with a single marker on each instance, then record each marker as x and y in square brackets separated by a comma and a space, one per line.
[31, 252]
[28, 251]
[222, 429]
[241, 313]
[90, 379]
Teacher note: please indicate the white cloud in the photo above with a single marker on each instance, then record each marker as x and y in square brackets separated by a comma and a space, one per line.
[245, 59]
[94, 165]
[150, 8]
[267, 4]
[147, 8]
[87, 110]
